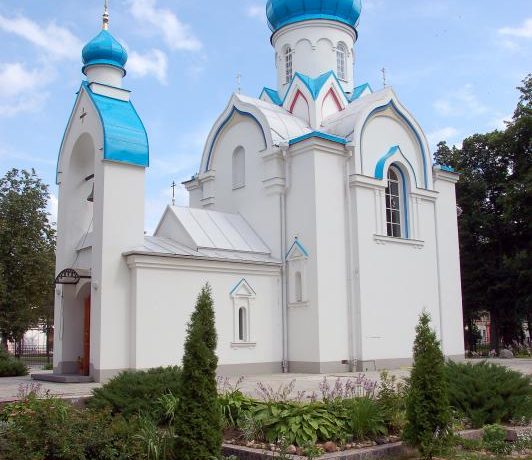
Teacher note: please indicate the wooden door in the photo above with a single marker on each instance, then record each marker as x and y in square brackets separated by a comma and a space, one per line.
[86, 335]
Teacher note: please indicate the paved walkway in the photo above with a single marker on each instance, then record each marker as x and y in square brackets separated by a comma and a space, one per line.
[309, 383]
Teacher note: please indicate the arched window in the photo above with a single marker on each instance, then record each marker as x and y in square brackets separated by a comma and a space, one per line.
[341, 61]
[288, 64]
[299, 287]
[242, 325]
[239, 168]
[395, 199]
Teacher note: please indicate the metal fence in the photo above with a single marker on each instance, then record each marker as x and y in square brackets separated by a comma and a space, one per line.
[34, 355]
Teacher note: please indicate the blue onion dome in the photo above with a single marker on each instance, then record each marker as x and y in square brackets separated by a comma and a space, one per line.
[284, 12]
[104, 49]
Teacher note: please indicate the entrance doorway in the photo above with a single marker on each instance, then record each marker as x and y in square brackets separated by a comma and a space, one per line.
[86, 336]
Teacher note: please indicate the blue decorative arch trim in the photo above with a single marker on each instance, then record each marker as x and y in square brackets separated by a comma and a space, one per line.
[240, 283]
[381, 164]
[273, 95]
[418, 138]
[125, 137]
[222, 126]
[297, 244]
[359, 90]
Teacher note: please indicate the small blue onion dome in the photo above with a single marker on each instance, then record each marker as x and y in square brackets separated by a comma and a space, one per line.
[284, 12]
[104, 49]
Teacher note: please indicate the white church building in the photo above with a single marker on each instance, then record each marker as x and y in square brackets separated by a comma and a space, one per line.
[317, 216]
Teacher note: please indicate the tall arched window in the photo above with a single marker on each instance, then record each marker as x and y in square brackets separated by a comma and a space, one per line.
[299, 287]
[288, 64]
[242, 325]
[239, 168]
[395, 199]
[341, 61]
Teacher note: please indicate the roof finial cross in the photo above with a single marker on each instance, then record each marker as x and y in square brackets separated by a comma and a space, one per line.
[238, 82]
[173, 192]
[383, 70]
[105, 22]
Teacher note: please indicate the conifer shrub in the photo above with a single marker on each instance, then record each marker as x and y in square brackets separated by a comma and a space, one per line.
[486, 393]
[11, 366]
[427, 402]
[137, 392]
[198, 427]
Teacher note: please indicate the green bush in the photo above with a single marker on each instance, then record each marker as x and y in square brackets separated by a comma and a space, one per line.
[234, 407]
[391, 401]
[298, 424]
[11, 366]
[494, 439]
[365, 418]
[486, 393]
[427, 403]
[198, 421]
[50, 428]
[137, 392]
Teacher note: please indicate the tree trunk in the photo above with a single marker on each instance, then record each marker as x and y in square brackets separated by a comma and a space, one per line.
[495, 332]
[4, 342]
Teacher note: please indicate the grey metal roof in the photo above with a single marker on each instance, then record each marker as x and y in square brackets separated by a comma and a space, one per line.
[161, 246]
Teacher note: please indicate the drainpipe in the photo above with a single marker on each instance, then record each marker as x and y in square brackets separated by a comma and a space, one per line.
[349, 264]
[284, 272]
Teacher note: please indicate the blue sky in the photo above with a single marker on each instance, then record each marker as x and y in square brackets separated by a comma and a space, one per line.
[454, 63]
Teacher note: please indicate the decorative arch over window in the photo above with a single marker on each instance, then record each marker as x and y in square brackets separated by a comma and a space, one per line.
[297, 258]
[288, 64]
[239, 168]
[396, 196]
[341, 61]
[243, 297]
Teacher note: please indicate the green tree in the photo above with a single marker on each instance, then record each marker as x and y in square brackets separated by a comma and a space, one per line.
[494, 193]
[27, 245]
[199, 427]
[427, 401]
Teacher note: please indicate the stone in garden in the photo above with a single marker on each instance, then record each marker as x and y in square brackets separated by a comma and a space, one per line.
[506, 354]
[330, 447]
[381, 440]
[292, 449]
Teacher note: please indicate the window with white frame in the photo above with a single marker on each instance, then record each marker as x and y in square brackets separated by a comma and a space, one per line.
[243, 297]
[288, 64]
[299, 287]
[341, 61]
[395, 219]
[239, 168]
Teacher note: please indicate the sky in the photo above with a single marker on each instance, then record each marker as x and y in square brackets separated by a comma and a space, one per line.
[454, 63]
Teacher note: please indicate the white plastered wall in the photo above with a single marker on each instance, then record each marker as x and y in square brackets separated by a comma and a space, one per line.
[165, 292]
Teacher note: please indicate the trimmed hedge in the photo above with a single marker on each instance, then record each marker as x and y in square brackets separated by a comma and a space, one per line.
[11, 366]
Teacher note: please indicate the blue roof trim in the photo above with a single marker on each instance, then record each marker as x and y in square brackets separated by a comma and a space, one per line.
[222, 126]
[297, 244]
[64, 136]
[445, 168]
[420, 142]
[320, 135]
[273, 95]
[357, 92]
[242, 281]
[379, 168]
[405, 204]
[125, 137]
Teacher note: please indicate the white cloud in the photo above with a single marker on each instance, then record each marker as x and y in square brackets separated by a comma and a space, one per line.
[500, 123]
[58, 42]
[460, 103]
[524, 31]
[443, 134]
[176, 34]
[154, 62]
[21, 88]
[256, 11]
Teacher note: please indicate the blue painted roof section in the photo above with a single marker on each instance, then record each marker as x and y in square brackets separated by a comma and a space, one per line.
[281, 13]
[297, 244]
[320, 135]
[446, 168]
[273, 95]
[104, 49]
[125, 138]
[357, 92]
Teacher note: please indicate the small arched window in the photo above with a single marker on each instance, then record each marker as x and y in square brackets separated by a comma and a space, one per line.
[395, 204]
[341, 61]
[239, 168]
[288, 64]
[299, 287]
[242, 324]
